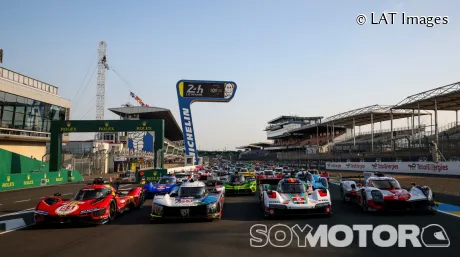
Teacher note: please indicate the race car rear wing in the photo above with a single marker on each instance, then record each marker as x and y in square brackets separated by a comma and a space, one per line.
[270, 181]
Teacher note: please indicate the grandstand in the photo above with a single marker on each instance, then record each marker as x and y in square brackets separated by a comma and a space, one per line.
[336, 138]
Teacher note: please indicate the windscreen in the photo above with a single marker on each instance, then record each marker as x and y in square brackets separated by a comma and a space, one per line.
[292, 188]
[385, 184]
[236, 178]
[269, 173]
[203, 178]
[302, 176]
[181, 176]
[167, 181]
[323, 182]
[196, 192]
[91, 193]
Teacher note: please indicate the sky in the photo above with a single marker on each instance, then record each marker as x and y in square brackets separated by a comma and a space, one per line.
[306, 58]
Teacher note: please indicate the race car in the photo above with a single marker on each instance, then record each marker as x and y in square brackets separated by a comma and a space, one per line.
[279, 170]
[182, 177]
[222, 175]
[164, 186]
[290, 198]
[307, 179]
[97, 203]
[215, 185]
[239, 184]
[127, 177]
[383, 193]
[246, 172]
[191, 200]
[318, 181]
[267, 185]
[324, 174]
[268, 175]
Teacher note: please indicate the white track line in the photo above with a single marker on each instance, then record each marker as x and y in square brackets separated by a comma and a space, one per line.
[8, 231]
[19, 212]
[68, 194]
[21, 201]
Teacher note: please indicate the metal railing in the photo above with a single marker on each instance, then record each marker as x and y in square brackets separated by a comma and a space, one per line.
[21, 132]
[27, 81]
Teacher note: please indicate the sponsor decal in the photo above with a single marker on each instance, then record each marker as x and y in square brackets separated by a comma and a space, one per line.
[59, 179]
[432, 167]
[106, 127]
[383, 166]
[8, 183]
[67, 208]
[47, 180]
[28, 182]
[189, 135]
[68, 128]
[229, 88]
[144, 127]
[356, 166]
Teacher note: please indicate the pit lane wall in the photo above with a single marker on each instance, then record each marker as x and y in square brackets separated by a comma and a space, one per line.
[37, 179]
[432, 168]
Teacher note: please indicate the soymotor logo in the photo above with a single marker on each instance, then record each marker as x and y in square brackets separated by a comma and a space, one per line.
[281, 235]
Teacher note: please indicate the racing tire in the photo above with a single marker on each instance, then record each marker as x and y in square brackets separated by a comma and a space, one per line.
[112, 211]
[141, 201]
[342, 194]
[363, 204]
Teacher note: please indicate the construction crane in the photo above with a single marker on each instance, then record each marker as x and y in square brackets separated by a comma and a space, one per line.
[102, 68]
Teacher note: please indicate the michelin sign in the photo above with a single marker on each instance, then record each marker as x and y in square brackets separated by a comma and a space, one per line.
[189, 91]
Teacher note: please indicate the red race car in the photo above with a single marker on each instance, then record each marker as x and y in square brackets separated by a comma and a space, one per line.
[97, 203]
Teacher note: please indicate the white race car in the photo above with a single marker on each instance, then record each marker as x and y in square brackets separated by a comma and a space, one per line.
[190, 200]
[291, 198]
[383, 193]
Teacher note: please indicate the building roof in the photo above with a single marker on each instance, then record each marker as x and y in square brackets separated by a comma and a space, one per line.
[447, 97]
[362, 116]
[262, 144]
[248, 147]
[311, 129]
[173, 131]
[276, 120]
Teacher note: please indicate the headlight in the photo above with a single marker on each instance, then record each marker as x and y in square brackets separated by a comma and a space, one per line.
[157, 208]
[212, 208]
[377, 196]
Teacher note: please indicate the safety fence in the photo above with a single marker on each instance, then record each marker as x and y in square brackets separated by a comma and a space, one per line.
[37, 179]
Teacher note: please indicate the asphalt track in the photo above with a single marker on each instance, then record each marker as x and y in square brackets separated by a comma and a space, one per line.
[133, 235]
